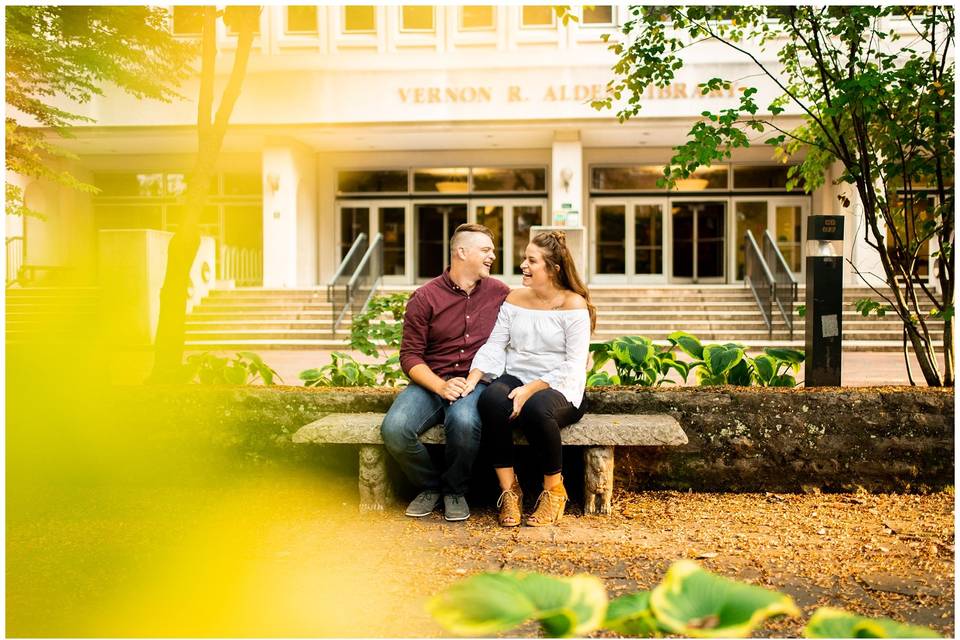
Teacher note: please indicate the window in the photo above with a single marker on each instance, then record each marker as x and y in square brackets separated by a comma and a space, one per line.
[359, 19]
[477, 18]
[599, 15]
[301, 19]
[714, 177]
[256, 29]
[187, 21]
[762, 177]
[381, 181]
[492, 179]
[537, 16]
[634, 178]
[416, 18]
[440, 180]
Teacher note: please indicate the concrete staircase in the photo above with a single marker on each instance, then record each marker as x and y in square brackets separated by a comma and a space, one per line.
[302, 319]
[51, 315]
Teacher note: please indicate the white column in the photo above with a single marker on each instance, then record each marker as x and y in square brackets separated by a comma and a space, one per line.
[861, 254]
[566, 186]
[289, 215]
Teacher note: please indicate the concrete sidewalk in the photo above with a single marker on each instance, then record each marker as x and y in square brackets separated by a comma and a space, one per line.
[859, 368]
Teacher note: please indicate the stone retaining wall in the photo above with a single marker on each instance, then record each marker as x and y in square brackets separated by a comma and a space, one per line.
[780, 440]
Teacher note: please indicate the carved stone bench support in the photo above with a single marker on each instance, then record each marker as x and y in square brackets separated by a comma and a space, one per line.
[375, 492]
[597, 479]
[597, 433]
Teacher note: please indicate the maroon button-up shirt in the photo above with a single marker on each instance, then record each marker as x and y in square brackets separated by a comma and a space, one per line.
[444, 327]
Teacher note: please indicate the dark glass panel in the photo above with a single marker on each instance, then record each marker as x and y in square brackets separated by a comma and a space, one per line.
[493, 179]
[382, 181]
[393, 226]
[611, 239]
[440, 180]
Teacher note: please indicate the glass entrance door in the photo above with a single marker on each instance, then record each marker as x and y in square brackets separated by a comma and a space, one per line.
[699, 240]
[435, 224]
[627, 240]
[782, 216]
[510, 222]
[390, 218]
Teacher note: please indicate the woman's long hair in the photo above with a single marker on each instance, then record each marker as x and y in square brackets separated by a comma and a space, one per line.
[560, 262]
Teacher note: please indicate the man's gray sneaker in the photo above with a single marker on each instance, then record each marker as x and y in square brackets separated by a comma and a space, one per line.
[455, 508]
[423, 504]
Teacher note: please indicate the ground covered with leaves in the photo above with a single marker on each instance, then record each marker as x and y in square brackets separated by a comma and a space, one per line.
[875, 555]
[285, 553]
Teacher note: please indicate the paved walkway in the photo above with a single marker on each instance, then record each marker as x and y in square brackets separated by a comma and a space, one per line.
[859, 368]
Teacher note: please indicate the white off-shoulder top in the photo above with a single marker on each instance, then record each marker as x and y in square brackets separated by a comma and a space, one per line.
[533, 344]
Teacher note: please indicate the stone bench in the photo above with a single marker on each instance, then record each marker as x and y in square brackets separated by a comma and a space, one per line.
[598, 433]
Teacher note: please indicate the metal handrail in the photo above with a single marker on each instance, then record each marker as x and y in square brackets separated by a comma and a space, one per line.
[356, 279]
[761, 282]
[785, 285]
[14, 258]
[367, 277]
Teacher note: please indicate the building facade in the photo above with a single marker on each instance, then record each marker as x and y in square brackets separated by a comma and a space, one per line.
[408, 120]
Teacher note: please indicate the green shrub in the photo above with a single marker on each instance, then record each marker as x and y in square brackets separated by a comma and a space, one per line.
[637, 360]
[371, 325]
[688, 602]
[244, 368]
[729, 363]
[344, 371]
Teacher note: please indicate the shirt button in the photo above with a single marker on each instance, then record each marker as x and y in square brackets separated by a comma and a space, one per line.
[468, 317]
[461, 350]
[467, 335]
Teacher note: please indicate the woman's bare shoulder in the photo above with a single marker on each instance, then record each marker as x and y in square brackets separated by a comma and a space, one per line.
[517, 297]
[574, 301]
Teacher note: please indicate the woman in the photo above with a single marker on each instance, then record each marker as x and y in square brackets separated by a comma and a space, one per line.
[540, 345]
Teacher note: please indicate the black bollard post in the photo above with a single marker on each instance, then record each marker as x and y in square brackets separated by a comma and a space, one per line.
[824, 319]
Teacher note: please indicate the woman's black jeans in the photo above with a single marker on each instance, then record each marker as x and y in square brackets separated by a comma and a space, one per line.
[541, 418]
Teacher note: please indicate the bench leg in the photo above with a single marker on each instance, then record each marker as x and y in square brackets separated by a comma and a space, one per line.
[597, 479]
[374, 489]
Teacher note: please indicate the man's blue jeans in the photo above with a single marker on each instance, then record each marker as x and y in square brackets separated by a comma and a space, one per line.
[414, 411]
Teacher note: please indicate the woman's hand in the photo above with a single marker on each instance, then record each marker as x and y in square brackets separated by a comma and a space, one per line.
[473, 379]
[521, 394]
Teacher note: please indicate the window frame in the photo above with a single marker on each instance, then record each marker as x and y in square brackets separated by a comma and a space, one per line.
[538, 27]
[430, 31]
[464, 29]
[344, 31]
[286, 22]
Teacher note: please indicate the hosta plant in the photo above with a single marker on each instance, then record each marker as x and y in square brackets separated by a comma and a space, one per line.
[637, 361]
[344, 371]
[689, 602]
[371, 324]
[718, 364]
[244, 368]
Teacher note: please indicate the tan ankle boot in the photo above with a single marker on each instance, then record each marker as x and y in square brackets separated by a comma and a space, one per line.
[511, 506]
[549, 507]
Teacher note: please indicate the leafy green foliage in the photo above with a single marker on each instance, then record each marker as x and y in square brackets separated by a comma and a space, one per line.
[244, 368]
[865, 306]
[696, 603]
[73, 51]
[637, 360]
[874, 87]
[730, 364]
[828, 622]
[372, 324]
[689, 602]
[343, 370]
[490, 603]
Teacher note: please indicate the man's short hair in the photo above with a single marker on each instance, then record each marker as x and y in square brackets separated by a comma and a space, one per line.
[457, 238]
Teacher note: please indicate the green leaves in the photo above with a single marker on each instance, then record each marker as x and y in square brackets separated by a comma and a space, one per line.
[688, 343]
[344, 371]
[827, 622]
[630, 615]
[688, 602]
[696, 603]
[865, 306]
[372, 324]
[244, 368]
[490, 603]
[637, 361]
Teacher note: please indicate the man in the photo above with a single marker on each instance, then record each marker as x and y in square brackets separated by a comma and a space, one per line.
[446, 322]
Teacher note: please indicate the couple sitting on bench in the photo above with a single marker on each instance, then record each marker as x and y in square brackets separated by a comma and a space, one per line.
[483, 358]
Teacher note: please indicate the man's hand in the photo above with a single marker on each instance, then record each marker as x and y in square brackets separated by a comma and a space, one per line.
[521, 394]
[452, 388]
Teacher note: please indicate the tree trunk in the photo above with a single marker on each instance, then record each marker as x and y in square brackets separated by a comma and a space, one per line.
[183, 247]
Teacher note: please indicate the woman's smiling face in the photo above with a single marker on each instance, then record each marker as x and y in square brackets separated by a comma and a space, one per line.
[535, 270]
